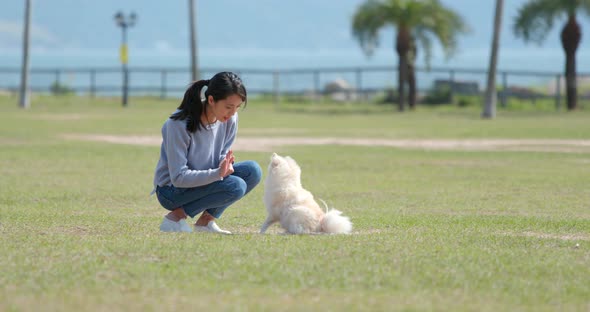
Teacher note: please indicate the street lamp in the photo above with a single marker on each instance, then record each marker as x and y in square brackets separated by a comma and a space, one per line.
[125, 22]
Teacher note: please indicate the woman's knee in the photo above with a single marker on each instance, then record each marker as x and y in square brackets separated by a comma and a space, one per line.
[236, 187]
[254, 171]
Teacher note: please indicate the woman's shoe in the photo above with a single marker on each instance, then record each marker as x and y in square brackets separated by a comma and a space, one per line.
[211, 227]
[168, 225]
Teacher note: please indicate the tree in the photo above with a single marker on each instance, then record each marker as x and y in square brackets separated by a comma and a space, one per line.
[536, 18]
[489, 110]
[193, 40]
[417, 22]
[24, 101]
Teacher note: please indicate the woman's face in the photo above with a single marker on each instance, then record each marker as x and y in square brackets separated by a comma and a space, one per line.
[224, 109]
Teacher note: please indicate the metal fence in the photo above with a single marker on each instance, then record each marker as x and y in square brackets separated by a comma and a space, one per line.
[361, 82]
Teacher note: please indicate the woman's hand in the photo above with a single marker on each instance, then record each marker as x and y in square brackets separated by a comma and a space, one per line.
[226, 166]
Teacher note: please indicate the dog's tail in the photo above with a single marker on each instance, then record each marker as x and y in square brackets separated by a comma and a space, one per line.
[325, 205]
[334, 222]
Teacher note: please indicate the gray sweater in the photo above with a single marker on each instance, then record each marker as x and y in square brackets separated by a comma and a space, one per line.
[192, 159]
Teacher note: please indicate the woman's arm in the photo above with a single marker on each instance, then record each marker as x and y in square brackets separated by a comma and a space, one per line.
[177, 145]
[230, 136]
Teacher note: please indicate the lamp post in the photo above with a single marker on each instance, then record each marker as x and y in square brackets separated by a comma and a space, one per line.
[125, 22]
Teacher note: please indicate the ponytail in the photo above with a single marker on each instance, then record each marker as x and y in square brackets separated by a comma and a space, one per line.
[192, 106]
[221, 86]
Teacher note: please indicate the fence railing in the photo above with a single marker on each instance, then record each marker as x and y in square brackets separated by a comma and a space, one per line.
[171, 82]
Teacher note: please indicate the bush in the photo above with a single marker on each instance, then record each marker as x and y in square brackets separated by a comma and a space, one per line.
[57, 88]
[389, 97]
[438, 96]
[467, 101]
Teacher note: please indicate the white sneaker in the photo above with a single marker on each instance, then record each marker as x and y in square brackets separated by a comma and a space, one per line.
[171, 226]
[211, 228]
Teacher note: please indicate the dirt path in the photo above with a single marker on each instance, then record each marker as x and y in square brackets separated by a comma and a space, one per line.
[266, 144]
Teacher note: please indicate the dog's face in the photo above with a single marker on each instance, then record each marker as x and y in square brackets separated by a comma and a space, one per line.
[284, 168]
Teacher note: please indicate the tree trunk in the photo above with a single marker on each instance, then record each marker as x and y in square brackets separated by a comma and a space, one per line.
[402, 46]
[401, 82]
[489, 110]
[193, 40]
[411, 57]
[24, 101]
[570, 39]
[570, 81]
[412, 86]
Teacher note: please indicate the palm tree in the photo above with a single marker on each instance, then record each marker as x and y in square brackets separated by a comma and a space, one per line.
[536, 18]
[489, 109]
[416, 22]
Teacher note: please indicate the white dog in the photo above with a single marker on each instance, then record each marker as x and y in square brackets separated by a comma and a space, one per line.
[293, 206]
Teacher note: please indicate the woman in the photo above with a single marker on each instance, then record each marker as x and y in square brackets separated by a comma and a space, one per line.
[196, 172]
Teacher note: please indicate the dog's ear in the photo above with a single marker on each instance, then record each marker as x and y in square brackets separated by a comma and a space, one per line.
[274, 162]
[292, 162]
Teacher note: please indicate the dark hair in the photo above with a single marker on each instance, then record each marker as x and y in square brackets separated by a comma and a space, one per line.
[221, 86]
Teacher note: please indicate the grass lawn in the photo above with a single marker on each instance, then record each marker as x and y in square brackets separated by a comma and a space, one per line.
[433, 230]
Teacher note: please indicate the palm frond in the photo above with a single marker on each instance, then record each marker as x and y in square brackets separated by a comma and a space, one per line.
[367, 21]
[427, 20]
[441, 23]
[536, 18]
[585, 5]
[426, 43]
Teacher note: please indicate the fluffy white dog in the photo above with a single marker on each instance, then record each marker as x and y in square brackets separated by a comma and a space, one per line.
[293, 206]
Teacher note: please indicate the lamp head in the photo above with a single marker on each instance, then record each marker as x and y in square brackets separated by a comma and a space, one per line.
[132, 19]
[120, 19]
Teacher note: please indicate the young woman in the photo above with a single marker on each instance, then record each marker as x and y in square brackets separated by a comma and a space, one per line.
[196, 172]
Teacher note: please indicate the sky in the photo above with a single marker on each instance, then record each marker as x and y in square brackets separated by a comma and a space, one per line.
[264, 33]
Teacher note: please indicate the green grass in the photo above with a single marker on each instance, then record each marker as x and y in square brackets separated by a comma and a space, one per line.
[433, 230]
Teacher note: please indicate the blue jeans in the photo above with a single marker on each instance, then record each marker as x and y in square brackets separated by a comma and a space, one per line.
[214, 197]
